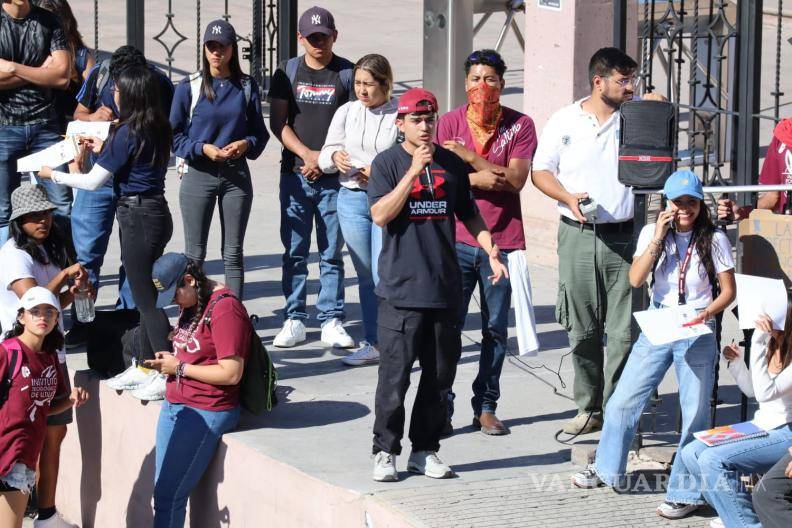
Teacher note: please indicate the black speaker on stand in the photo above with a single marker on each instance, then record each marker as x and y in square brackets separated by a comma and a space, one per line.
[646, 146]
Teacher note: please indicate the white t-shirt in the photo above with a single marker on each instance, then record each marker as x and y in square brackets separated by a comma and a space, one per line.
[16, 264]
[584, 156]
[698, 292]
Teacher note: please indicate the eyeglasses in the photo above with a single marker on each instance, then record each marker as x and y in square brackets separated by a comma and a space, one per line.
[624, 82]
[47, 313]
[478, 56]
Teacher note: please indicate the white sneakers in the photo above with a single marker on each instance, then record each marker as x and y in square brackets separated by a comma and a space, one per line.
[145, 384]
[333, 334]
[675, 510]
[385, 467]
[153, 390]
[587, 478]
[367, 354]
[292, 333]
[131, 378]
[56, 521]
[429, 464]
[421, 462]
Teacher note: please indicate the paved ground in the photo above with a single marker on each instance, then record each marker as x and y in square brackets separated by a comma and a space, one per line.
[324, 425]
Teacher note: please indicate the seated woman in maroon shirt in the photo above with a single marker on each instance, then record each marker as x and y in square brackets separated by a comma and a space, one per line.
[202, 394]
[29, 359]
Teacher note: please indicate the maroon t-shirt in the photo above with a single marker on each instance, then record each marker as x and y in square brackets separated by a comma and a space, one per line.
[227, 335]
[777, 169]
[23, 417]
[514, 139]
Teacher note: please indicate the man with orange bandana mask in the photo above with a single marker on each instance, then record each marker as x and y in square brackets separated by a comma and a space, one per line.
[776, 170]
[498, 143]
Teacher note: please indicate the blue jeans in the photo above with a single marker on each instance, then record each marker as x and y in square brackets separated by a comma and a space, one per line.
[694, 361]
[93, 214]
[495, 304]
[303, 203]
[364, 240]
[187, 439]
[714, 473]
[17, 141]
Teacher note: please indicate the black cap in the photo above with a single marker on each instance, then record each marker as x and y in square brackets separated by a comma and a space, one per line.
[220, 31]
[316, 20]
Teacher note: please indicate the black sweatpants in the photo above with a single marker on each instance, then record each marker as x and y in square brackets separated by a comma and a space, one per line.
[404, 334]
[146, 227]
[772, 497]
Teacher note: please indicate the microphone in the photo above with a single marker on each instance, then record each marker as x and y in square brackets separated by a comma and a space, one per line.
[429, 181]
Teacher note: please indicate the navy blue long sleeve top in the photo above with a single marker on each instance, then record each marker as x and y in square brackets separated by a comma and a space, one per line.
[227, 119]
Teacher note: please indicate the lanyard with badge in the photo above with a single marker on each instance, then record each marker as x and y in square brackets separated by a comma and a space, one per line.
[683, 267]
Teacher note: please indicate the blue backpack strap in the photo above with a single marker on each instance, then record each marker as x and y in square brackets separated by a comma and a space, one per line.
[291, 69]
[348, 80]
[102, 77]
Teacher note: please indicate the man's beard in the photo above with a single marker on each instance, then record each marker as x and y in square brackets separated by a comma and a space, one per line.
[614, 103]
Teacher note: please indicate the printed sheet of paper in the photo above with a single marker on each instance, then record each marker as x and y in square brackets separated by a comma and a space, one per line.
[53, 156]
[664, 325]
[757, 296]
[98, 129]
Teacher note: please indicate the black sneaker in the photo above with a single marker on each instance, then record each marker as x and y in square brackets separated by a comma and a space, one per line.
[77, 336]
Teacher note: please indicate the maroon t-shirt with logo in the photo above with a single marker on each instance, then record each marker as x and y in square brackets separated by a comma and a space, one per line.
[23, 417]
[777, 169]
[515, 138]
[228, 334]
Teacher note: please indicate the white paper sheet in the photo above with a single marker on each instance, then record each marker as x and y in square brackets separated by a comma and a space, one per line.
[664, 325]
[98, 129]
[53, 156]
[757, 296]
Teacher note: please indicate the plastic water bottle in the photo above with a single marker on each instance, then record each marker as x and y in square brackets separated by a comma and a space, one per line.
[84, 306]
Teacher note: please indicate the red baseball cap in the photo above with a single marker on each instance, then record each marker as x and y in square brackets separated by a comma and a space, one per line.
[417, 100]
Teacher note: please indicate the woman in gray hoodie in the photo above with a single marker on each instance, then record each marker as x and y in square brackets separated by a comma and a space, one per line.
[360, 130]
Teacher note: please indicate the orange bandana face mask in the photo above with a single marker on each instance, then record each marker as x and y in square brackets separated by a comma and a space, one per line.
[484, 108]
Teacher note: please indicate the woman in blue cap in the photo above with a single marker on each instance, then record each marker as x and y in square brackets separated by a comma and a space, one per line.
[689, 262]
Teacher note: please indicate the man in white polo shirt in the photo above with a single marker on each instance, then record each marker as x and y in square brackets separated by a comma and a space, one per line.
[577, 158]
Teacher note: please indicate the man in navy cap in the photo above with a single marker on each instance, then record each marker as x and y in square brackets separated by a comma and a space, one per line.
[306, 91]
[417, 190]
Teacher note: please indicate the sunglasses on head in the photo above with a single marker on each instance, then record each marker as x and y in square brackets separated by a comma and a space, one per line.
[478, 56]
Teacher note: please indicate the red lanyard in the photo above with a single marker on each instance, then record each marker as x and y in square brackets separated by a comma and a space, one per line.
[683, 266]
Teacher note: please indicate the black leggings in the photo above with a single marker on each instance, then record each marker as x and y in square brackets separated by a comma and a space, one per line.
[146, 227]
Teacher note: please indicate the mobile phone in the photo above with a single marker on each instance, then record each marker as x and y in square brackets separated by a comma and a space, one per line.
[672, 225]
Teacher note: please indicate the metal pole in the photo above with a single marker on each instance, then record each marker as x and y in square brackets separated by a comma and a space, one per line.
[257, 43]
[287, 29]
[620, 24]
[136, 34]
[745, 169]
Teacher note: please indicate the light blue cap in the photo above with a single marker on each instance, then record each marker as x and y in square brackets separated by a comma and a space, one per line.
[683, 183]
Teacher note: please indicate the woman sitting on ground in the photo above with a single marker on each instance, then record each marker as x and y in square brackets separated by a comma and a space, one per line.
[29, 358]
[202, 395]
[703, 254]
[716, 470]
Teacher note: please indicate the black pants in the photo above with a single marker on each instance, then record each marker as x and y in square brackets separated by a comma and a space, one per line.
[404, 334]
[229, 186]
[772, 497]
[146, 227]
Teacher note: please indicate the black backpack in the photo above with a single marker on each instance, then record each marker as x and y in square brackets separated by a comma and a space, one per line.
[259, 378]
[106, 342]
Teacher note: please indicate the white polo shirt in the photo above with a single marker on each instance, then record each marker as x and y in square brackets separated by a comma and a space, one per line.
[584, 156]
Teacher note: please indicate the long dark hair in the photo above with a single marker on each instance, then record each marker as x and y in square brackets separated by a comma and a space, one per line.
[785, 347]
[703, 232]
[52, 341]
[62, 10]
[203, 288]
[141, 110]
[57, 250]
[206, 75]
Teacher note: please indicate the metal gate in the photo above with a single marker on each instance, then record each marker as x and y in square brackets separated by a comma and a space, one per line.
[258, 23]
[719, 62]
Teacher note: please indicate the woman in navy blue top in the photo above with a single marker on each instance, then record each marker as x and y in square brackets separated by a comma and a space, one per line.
[217, 126]
[135, 155]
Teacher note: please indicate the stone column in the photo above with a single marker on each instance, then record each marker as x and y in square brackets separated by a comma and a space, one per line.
[558, 46]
